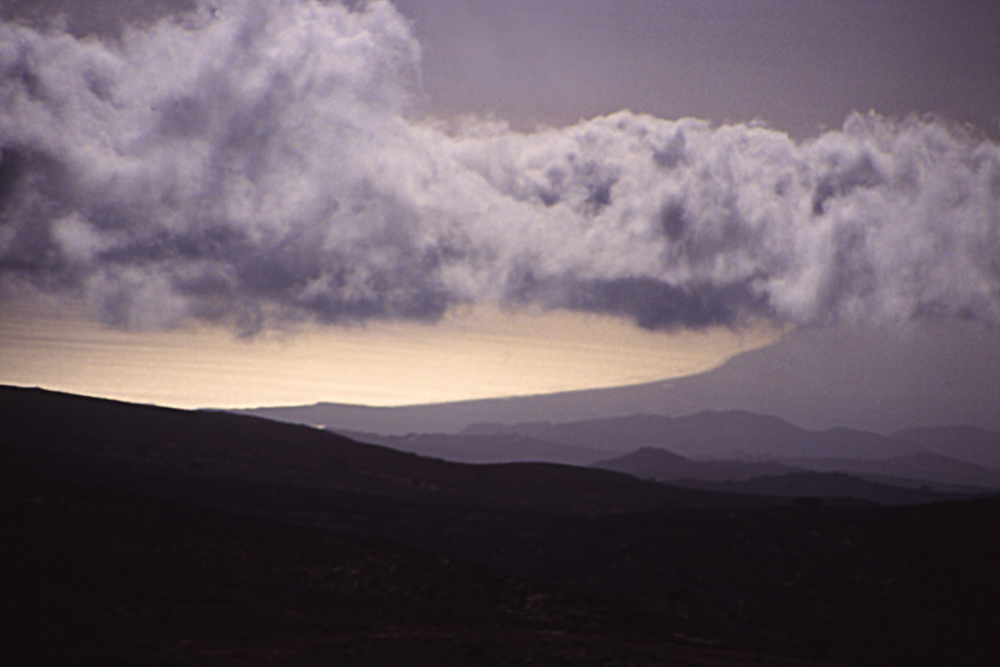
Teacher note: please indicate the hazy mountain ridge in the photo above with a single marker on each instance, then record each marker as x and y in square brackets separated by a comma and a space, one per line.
[916, 466]
[717, 447]
[498, 448]
[815, 378]
[664, 465]
[966, 443]
[711, 434]
[810, 477]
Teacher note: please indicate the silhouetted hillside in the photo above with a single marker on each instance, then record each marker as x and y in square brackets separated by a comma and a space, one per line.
[123, 442]
[767, 478]
[824, 485]
[918, 466]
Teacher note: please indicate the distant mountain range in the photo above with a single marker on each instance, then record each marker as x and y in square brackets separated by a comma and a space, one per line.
[937, 374]
[486, 448]
[728, 434]
[738, 452]
[724, 446]
[666, 466]
[777, 478]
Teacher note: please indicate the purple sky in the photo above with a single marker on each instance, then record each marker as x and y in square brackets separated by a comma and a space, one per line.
[799, 66]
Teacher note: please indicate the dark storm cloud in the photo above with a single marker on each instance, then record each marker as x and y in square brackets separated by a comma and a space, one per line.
[251, 162]
[650, 303]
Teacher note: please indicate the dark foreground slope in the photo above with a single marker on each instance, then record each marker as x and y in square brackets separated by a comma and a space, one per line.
[107, 577]
[178, 453]
[146, 536]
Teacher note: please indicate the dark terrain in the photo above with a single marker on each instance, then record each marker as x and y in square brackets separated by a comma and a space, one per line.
[140, 535]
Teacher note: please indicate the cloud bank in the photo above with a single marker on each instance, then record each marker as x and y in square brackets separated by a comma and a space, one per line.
[253, 162]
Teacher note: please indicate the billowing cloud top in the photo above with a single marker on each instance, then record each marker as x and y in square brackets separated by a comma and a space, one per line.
[253, 161]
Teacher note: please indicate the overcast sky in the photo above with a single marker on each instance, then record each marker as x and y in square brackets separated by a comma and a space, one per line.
[799, 66]
[669, 166]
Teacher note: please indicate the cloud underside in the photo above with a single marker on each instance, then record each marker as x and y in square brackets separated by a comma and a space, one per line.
[251, 163]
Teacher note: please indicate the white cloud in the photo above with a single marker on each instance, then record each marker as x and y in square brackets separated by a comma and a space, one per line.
[257, 161]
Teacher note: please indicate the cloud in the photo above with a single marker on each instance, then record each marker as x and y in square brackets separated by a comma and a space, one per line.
[253, 162]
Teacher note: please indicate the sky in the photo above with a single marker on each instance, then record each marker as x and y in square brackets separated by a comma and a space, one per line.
[239, 203]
